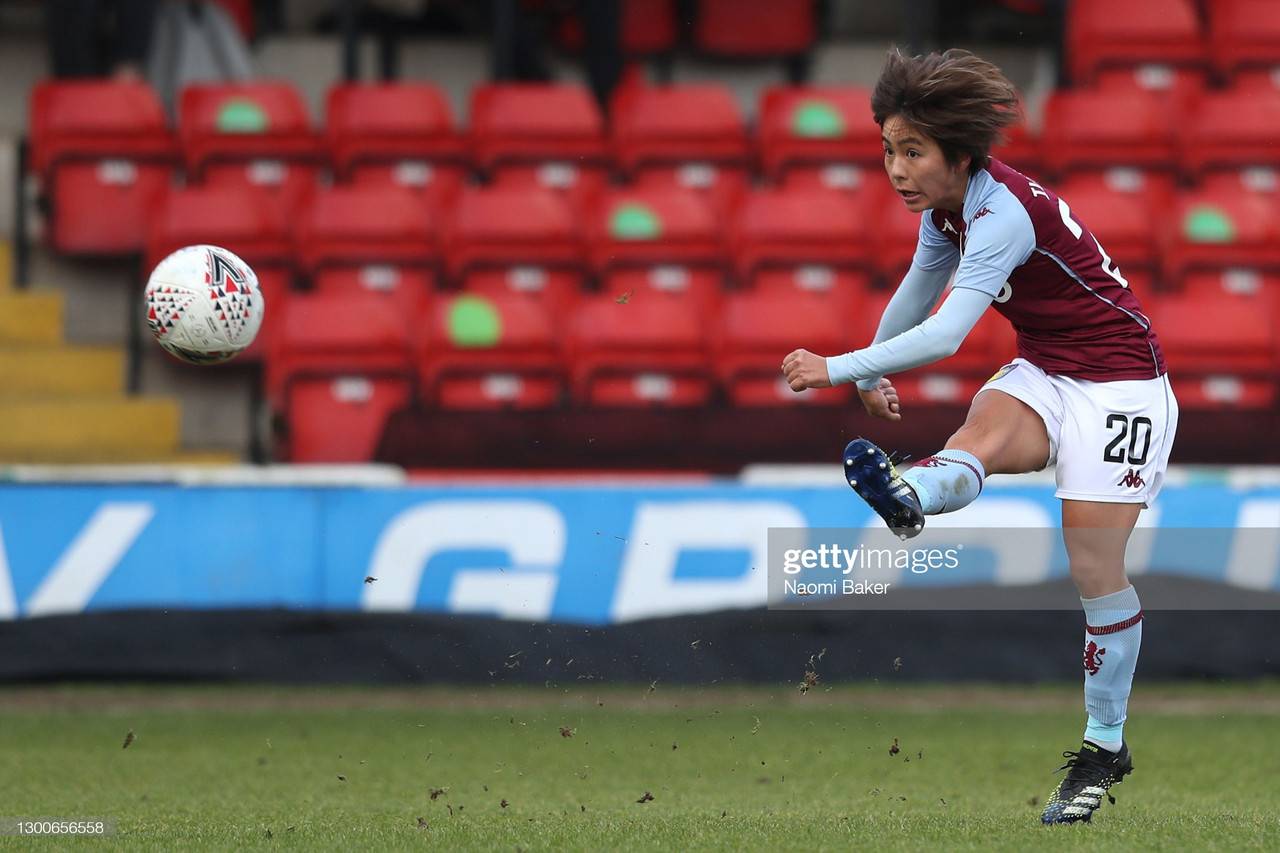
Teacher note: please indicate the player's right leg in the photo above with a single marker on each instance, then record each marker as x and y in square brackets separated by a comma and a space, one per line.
[1001, 435]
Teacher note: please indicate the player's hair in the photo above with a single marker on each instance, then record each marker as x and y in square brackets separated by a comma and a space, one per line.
[959, 99]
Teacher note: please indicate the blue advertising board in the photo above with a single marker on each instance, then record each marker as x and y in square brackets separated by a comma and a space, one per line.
[592, 553]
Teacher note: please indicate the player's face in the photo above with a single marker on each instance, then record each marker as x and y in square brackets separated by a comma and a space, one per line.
[918, 170]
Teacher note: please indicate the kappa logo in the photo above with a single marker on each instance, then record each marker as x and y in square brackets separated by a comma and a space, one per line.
[982, 213]
[947, 226]
[1093, 658]
[929, 462]
[1132, 480]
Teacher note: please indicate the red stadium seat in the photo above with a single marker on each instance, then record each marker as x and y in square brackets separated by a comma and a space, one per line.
[498, 349]
[399, 132]
[338, 367]
[1220, 346]
[638, 353]
[255, 133]
[1231, 129]
[761, 325]
[556, 288]
[1096, 129]
[755, 29]
[1220, 225]
[692, 135]
[845, 285]
[815, 128]
[793, 226]
[1252, 180]
[897, 230]
[377, 239]
[1177, 83]
[102, 152]
[1121, 209]
[1243, 34]
[547, 134]
[1021, 149]
[650, 225]
[699, 290]
[1229, 282]
[1256, 78]
[237, 219]
[802, 291]
[1102, 33]
[503, 228]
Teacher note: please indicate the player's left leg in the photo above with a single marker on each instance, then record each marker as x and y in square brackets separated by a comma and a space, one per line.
[1114, 446]
[1096, 534]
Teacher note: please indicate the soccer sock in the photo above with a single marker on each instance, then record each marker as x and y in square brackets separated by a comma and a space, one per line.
[1113, 634]
[946, 481]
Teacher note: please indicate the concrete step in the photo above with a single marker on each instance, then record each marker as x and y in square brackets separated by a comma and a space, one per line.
[31, 318]
[89, 430]
[54, 372]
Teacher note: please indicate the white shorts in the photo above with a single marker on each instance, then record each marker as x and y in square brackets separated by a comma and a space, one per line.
[1110, 440]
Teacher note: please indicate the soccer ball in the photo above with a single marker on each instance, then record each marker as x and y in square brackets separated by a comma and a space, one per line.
[203, 304]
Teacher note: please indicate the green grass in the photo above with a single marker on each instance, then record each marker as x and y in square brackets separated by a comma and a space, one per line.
[212, 768]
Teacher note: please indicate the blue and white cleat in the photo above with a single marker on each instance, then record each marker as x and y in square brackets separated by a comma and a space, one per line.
[873, 477]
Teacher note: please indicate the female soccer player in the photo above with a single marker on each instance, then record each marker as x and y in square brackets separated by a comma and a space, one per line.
[1088, 390]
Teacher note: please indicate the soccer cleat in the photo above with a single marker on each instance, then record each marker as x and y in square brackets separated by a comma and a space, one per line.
[1090, 772]
[873, 477]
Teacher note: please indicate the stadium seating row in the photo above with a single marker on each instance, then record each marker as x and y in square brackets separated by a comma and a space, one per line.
[1218, 38]
[341, 363]
[651, 296]
[1157, 235]
[103, 151]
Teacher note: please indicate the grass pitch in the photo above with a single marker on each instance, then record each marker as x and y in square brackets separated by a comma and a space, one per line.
[649, 767]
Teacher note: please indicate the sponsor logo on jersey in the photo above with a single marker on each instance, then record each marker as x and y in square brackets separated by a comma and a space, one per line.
[982, 213]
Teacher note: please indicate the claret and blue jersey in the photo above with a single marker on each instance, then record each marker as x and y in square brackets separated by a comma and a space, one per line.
[1071, 306]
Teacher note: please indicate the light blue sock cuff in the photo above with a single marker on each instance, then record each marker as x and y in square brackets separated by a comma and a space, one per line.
[964, 457]
[1111, 609]
[946, 493]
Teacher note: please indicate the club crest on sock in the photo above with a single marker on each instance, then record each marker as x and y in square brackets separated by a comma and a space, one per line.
[1093, 658]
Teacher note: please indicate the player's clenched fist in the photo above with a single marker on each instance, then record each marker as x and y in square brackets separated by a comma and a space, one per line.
[804, 370]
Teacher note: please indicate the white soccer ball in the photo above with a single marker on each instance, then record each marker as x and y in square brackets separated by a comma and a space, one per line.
[203, 304]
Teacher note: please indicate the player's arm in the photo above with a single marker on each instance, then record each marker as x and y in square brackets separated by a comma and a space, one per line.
[910, 305]
[996, 245]
[933, 339]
